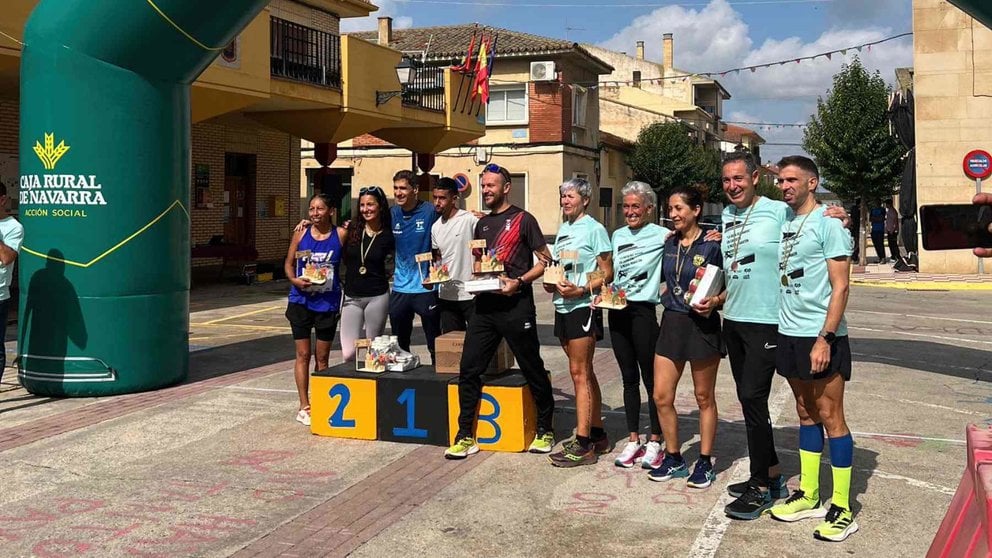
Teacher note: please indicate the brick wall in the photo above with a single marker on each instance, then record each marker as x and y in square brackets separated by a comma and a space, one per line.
[366, 140]
[305, 15]
[277, 173]
[550, 109]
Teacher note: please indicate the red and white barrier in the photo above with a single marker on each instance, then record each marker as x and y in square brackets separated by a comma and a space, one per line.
[966, 531]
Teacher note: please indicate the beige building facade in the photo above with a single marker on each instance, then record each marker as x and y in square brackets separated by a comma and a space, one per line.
[953, 88]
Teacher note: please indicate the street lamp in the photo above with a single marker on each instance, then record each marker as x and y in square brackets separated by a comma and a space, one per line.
[406, 72]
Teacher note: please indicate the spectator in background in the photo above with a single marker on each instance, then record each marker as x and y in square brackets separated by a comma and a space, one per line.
[876, 216]
[892, 229]
[11, 235]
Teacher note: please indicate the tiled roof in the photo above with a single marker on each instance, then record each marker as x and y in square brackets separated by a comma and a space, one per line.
[450, 42]
[736, 134]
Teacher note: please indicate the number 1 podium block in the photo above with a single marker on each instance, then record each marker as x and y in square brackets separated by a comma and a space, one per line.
[411, 407]
[506, 418]
[343, 403]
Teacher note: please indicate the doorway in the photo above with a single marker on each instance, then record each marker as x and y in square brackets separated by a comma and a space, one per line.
[239, 199]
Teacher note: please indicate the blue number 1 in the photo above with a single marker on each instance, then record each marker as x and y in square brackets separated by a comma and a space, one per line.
[491, 419]
[409, 398]
[337, 419]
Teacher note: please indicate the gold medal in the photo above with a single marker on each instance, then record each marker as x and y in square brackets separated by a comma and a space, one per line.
[785, 280]
[733, 267]
[362, 270]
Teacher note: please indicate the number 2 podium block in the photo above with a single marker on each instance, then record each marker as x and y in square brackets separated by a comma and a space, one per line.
[343, 403]
[411, 407]
[507, 418]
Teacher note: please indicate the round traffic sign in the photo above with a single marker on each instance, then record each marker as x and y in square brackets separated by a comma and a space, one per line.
[463, 182]
[978, 164]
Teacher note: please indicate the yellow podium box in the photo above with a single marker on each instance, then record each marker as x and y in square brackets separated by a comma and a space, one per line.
[343, 403]
[506, 419]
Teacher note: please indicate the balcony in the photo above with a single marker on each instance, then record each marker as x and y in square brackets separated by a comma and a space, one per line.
[426, 91]
[304, 54]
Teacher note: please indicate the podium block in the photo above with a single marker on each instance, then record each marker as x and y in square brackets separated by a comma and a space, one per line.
[411, 407]
[343, 403]
[506, 419]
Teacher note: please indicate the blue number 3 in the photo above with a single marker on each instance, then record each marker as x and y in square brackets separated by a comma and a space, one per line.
[337, 419]
[491, 419]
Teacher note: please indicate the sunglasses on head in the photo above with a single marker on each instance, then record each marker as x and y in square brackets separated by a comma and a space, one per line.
[493, 167]
[371, 190]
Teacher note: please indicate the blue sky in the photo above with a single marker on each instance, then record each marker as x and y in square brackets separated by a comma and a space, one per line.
[710, 35]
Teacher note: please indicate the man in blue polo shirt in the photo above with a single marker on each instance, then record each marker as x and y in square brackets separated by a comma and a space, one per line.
[412, 222]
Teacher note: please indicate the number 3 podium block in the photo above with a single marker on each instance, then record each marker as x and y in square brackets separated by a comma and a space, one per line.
[343, 403]
[412, 407]
[507, 418]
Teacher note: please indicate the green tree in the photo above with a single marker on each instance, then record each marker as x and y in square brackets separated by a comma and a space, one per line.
[666, 156]
[850, 140]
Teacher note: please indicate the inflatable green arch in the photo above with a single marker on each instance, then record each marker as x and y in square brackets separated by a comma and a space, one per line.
[104, 188]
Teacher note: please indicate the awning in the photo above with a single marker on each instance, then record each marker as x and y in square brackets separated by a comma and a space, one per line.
[978, 9]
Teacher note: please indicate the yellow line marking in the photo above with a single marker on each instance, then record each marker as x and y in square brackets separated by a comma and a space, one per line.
[245, 326]
[924, 285]
[12, 38]
[116, 246]
[236, 316]
[180, 29]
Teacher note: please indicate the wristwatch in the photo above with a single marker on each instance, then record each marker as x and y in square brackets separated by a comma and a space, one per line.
[828, 336]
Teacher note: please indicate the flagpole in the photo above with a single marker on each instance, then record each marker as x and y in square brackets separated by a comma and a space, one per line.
[489, 71]
[464, 67]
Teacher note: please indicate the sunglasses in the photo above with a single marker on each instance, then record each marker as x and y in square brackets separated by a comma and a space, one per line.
[493, 167]
[373, 190]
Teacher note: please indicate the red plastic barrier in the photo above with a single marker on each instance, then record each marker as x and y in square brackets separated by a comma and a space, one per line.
[966, 531]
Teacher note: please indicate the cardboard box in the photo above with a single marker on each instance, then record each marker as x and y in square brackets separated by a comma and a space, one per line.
[489, 285]
[448, 354]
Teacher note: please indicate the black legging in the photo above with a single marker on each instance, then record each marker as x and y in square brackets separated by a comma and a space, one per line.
[878, 241]
[633, 334]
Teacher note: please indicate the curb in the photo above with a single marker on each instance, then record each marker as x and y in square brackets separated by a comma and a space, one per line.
[923, 285]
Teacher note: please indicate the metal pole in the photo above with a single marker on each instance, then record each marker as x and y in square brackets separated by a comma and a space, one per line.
[981, 261]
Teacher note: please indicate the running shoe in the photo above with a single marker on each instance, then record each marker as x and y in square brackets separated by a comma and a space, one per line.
[542, 443]
[573, 455]
[798, 507]
[751, 504]
[601, 445]
[303, 417]
[670, 468]
[463, 448]
[838, 525]
[702, 474]
[776, 487]
[653, 455]
[632, 453]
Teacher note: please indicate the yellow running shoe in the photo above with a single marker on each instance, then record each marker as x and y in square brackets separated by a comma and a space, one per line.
[463, 448]
[838, 525]
[798, 507]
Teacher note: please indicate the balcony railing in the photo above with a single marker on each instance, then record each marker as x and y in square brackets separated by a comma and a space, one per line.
[304, 54]
[427, 89]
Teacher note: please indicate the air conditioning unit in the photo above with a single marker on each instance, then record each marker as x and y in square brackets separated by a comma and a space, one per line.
[542, 71]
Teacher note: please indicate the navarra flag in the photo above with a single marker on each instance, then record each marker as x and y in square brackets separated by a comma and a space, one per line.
[466, 65]
[481, 85]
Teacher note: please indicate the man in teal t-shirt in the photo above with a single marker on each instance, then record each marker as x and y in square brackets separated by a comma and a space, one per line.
[813, 350]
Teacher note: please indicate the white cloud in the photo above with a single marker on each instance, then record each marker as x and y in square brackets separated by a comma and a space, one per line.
[697, 46]
[386, 8]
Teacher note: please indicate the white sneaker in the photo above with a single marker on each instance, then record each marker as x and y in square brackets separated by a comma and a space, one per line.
[653, 456]
[632, 453]
[303, 417]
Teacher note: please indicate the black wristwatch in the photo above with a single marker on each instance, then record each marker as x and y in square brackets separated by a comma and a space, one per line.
[828, 336]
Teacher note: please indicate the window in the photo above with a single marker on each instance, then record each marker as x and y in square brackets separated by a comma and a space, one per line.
[579, 96]
[637, 78]
[507, 106]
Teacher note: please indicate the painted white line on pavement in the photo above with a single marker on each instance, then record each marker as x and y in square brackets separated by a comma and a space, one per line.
[891, 476]
[715, 527]
[271, 390]
[907, 437]
[848, 311]
[921, 403]
[958, 339]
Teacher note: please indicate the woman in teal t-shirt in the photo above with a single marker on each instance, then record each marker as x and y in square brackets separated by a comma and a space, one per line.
[582, 246]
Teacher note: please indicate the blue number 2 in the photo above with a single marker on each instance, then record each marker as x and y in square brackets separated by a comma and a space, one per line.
[337, 419]
[409, 398]
[491, 419]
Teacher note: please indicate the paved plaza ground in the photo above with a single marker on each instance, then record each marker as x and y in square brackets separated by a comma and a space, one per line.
[218, 467]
